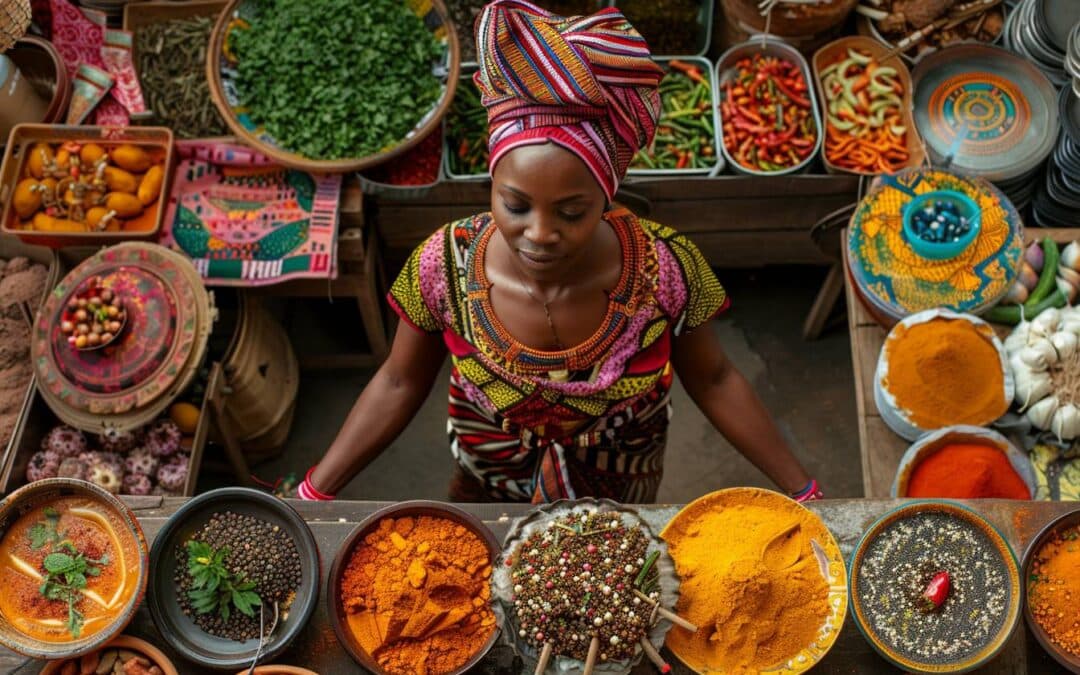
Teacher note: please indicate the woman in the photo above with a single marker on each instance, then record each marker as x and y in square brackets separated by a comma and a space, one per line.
[565, 316]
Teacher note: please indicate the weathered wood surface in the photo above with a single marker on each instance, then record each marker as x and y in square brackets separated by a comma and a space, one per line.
[318, 649]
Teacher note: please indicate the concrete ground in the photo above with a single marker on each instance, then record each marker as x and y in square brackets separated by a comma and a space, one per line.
[808, 386]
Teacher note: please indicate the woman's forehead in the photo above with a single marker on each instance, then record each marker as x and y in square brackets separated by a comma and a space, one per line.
[545, 171]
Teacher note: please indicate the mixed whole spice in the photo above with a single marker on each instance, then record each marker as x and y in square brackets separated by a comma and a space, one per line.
[1054, 588]
[111, 662]
[579, 579]
[685, 133]
[466, 131]
[670, 27]
[22, 283]
[171, 56]
[767, 115]
[234, 568]
[333, 79]
[934, 588]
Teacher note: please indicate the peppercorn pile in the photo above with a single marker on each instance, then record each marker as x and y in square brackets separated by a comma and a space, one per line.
[668, 26]
[258, 551]
[576, 579]
[466, 131]
[685, 131]
[919, 613]
[766, 112]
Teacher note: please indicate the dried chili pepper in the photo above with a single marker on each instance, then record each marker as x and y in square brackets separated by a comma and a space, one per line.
[418, 166]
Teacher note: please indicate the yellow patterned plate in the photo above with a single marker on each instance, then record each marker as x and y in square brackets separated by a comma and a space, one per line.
[897, 282]
[751, 517]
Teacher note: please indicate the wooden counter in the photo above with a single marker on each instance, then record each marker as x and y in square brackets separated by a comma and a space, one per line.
[318, 649]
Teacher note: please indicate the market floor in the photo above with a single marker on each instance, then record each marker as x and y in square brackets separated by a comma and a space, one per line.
[807, 385]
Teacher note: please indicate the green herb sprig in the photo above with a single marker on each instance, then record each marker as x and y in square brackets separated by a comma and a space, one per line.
[66, 568]
[214, 587]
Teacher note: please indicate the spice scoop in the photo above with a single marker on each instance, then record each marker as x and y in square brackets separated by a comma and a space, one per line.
[784, 549]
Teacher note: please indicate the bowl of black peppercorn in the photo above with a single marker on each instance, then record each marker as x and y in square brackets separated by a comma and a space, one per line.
[229, 566]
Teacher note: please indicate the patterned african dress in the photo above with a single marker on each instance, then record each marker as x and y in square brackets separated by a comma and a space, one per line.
[531, 425]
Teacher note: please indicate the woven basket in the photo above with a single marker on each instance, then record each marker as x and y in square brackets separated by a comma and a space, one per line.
[14, 20]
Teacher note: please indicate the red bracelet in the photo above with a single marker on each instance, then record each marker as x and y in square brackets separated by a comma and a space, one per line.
[809, 493]
[308, 492]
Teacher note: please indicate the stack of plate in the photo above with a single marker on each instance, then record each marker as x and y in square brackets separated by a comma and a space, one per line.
[1057, 200]
[1072, 58]
[1039, 31]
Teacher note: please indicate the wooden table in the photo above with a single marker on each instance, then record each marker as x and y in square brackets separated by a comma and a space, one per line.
[318, 649]
[879, 447]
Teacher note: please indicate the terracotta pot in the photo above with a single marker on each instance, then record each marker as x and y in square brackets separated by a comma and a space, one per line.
[279, 670]
[39, 62]
[142, 647]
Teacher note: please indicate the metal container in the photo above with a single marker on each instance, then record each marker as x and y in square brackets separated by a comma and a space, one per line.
[768, 46]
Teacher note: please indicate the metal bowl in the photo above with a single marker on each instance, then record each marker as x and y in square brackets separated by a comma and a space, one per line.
[415, 508]
[177, 628]
[1071, 662]
[26, 499]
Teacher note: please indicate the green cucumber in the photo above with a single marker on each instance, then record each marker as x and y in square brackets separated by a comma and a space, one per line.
[1010, 315]
[1048, 277]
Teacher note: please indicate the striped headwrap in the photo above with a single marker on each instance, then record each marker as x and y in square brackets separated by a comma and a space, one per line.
[585, 83]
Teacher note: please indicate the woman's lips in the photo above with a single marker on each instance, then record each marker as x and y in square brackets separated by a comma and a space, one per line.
[537, 260]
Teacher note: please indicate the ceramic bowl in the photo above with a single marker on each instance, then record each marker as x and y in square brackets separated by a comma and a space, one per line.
[277, 670]
[997, 541]
[413, 509]
[926, 248]
[25, 499]
[134, 644]
[931, 443]
[1070, 662]
[182, 634]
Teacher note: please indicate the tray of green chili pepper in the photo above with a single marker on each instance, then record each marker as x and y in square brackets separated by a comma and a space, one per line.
[769, 116]
[333, 85]
[465, 154]
[686, 141]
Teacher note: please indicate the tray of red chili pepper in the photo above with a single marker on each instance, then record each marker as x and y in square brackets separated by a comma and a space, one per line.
[768, 112]
[408, 176]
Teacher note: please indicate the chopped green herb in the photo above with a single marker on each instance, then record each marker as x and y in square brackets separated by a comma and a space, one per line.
[64, 573]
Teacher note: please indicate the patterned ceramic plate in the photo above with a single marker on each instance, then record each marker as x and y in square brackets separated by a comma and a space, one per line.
[897, 282]
[829, 562]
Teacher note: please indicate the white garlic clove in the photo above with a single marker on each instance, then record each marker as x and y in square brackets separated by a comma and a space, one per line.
[1066, 422]
[1070, 325]
[1039, 355]
[1031, 387]
[1047, 321]
[1070, 256]
[1042, 412]
[1065, 344]
[1018, 339]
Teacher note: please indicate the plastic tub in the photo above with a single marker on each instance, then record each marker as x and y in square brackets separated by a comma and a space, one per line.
[768, 46]
[941, 250]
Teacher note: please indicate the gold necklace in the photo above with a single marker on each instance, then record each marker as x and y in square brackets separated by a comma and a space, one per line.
[544, 304]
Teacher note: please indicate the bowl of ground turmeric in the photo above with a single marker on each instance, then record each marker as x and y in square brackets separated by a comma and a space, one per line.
[409, 591]
[1052, 573]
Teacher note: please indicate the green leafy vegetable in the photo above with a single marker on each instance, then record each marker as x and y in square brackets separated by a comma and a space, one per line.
[64, 573]
[214, 587]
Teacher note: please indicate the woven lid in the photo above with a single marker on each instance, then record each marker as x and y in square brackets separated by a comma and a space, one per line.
[898, 282]
[128, 383]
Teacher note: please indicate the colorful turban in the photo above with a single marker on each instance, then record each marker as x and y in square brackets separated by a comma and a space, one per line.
[585, 83]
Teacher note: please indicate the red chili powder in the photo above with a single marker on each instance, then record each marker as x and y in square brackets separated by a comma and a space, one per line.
[967, 471]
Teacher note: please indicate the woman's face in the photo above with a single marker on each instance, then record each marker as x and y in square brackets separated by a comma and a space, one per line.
[547, 206]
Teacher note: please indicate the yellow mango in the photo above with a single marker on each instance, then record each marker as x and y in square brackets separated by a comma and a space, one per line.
[49, 184]
[132, 158]
[90, 153]
[126, 205]
[46, 223]
[26, 199]
[63, 158]
[42, 221]
[119, 180]
[95, 215]
[143, 223]
[40, 155]
[150, 187]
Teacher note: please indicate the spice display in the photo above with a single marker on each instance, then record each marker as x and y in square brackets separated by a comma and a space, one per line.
[945, 371]
[309, 71]
[685, 133]
[69, 567]
[669, 26]
[111, 662]
[466, 131]
[146, 461]
[418, 166]
[865, 130]
[749, 578]
[237, 572]
[93, 318]
[967, 471]
[933, 588]
[89, 187]
[1054, 588]
[417, 595]
[767, 114]
[22, 283]
[171, 56]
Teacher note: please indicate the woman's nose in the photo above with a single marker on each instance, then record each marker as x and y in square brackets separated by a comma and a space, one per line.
[540, 232]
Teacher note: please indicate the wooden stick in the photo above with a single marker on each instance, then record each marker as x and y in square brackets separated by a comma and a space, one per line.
[669, 615]
[654, 656]
[590, 660]
[545, 656]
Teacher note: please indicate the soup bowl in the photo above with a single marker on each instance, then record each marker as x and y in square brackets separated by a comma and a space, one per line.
[86, 533]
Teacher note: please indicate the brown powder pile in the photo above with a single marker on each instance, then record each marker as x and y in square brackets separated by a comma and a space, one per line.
[21, 281]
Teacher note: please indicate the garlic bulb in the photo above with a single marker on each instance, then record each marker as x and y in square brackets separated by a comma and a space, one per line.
[1044, 356]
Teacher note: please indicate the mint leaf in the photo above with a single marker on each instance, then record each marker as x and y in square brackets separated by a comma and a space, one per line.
[76, 579]
[58, 563]
[50, 512]
[39, 536]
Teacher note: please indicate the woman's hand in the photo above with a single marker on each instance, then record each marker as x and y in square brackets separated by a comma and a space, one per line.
[730, 403]
[386, 405]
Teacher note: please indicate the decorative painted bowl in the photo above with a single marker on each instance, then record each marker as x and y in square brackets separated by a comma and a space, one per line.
[941, 250]
[1070, 662]
[931, 443]
[99, 511]
[999, 555]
